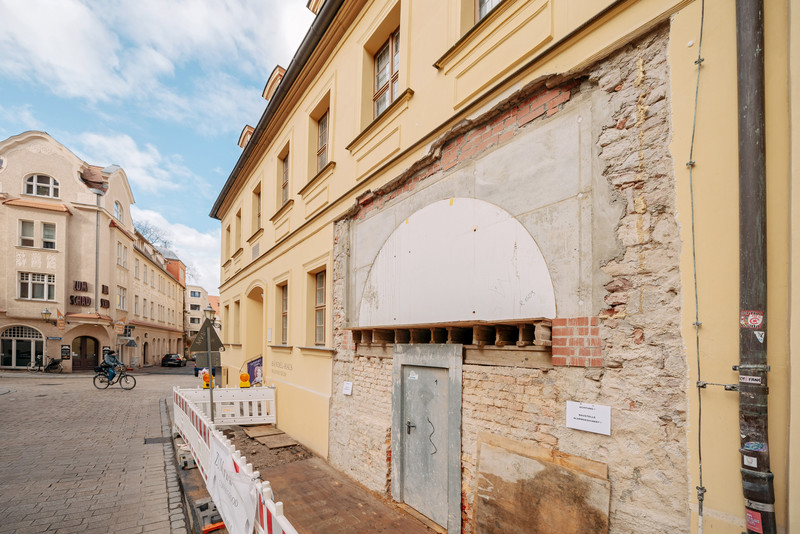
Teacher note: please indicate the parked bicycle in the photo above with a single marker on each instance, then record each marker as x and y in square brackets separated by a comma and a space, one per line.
[122, 378]
[53, 366]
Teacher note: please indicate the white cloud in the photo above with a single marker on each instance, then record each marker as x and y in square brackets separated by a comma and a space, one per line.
[199, 250]
[146, 168]
[103, 51]
[18, 119]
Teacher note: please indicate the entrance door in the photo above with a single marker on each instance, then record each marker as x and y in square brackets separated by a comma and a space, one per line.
[425, 451]
[426, 430]
[84, 350]
[145, 357]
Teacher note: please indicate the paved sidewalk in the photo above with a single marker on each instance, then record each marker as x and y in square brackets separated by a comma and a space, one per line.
[77, 459]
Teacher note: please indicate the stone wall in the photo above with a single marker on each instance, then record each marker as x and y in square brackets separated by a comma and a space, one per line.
[641, 373]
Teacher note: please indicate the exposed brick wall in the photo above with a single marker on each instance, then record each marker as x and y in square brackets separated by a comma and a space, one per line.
[628, 356]
[576, 342]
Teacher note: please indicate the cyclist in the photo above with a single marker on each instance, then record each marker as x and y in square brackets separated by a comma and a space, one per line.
[110, 361]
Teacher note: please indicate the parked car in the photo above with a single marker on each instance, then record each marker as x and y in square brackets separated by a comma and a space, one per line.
[173, 359]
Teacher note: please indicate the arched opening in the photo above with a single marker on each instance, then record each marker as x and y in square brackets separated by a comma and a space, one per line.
[85, 350]
[19, 345]
[145, 354]
[254, 327]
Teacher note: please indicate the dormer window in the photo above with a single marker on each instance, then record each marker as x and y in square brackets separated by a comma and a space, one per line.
[41, 186]
[118, 212]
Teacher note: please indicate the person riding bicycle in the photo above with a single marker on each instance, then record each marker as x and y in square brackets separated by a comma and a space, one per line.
[110, 361]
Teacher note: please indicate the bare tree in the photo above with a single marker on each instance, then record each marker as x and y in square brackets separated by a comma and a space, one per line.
[152, 233]
[191, 273]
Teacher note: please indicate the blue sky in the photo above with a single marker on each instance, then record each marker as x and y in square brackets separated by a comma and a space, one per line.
[162, 88]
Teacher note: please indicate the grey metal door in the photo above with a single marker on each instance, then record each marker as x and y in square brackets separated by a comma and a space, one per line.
[425, 413]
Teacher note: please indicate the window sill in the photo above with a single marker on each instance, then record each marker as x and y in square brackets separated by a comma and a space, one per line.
[282, 211]
[237, 253]
[402, 98]
[42, 249]
[255, 236]
[282, 348]
[326, 171]
[491, 15]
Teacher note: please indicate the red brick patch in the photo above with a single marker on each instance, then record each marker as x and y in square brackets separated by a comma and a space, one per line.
[576, 342]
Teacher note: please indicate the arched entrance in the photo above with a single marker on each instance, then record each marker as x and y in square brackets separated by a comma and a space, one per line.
[145, 355]
[18, 344]
[84, 353]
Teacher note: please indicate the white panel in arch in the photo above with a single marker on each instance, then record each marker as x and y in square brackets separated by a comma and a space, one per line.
[460, 259]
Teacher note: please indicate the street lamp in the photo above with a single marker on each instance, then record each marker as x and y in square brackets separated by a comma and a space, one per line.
[46, 318]
[209, 313]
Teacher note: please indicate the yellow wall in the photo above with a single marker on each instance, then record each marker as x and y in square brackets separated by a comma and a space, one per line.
[473, 73]
[716, 198]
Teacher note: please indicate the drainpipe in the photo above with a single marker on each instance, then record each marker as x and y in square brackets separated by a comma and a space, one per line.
[99, 193]
[757, 479]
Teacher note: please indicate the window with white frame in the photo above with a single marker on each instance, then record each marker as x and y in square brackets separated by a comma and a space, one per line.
[122, 255]
[322, 141]
[319, 308]
[194, 307]
[387, 68]
[122, 298]
[194, 320]
[144, 308]
[48, 235]
[118, 212]
[194, 294]
[26, 234]
[483, 7]
[136, 304]
[285, 179]
[37, 286]
[41, 185]
[284, 309]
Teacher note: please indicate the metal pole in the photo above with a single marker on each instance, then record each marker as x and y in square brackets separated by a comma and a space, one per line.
[210, 369]
[757, 479]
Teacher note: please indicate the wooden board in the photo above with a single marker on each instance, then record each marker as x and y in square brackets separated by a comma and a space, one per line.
[521, 487]
[261, 430]
[277, 441]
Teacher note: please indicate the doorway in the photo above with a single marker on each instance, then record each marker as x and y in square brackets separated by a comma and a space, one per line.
[145, 357]
[19, 345]
[84, 353]
[426, 431]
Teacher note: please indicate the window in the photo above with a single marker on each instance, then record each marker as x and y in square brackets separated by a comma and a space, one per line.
[48, 235]
[194, 320]
[122, 298]
[41, 186]
[484, 6]
[26, 234]
[118, 213]
[152, 310]
[256, 209]
[194, 307]
[319, 309]
[136, 268]
[36, 286]
[322, 141]
[122, 255]
[136, 304]
[285, 179]
[194, 294]
[145, 274]
[387, 63]
[144, 308]
[152, 278]
[284, 306]
[238, 229]
[192, 332]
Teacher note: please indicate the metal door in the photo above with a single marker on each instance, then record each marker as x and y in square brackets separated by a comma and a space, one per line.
[425, 450]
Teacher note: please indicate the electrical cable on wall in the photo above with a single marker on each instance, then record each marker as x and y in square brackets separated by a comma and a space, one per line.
[701, 490]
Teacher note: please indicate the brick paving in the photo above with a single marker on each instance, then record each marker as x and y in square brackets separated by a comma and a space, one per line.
[73, 458]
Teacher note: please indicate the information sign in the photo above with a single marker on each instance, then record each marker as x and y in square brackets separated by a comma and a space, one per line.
[200, 343]
[589, 417]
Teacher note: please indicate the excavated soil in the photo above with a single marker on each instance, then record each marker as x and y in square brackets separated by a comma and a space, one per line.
[261, 456]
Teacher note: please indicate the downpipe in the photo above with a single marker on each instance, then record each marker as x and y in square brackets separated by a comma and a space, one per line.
[757, 479]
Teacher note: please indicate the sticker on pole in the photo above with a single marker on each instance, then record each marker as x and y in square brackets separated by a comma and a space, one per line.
[759, 335]
[751, 319]
[754, 521]
[744, 379]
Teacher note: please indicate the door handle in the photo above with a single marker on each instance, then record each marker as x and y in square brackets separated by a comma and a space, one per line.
[409, 426]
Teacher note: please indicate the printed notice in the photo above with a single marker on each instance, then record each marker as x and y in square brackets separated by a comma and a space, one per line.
[589, 417]
[347, 388]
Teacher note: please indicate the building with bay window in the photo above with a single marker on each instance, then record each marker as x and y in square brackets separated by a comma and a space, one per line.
[71, 281]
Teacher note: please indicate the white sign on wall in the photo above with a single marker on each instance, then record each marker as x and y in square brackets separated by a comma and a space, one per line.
[589, 417]
[347, 388]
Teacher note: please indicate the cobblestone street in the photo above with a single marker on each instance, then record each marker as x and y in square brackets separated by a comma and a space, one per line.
[74, 459]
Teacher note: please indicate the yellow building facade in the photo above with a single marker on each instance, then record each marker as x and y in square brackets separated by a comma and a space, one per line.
[559, 134]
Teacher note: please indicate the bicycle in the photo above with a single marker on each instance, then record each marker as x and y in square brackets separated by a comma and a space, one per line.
[53, 366]
[122, 378]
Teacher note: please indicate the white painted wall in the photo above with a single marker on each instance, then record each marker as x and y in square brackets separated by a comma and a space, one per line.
[459, 259]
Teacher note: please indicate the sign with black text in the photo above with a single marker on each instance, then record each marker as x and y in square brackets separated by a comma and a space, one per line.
[201, 341]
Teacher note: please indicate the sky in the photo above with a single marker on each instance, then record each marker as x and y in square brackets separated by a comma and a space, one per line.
[162, 88]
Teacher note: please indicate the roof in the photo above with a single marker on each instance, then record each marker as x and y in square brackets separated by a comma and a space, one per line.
[25, 203]
[318, 28]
